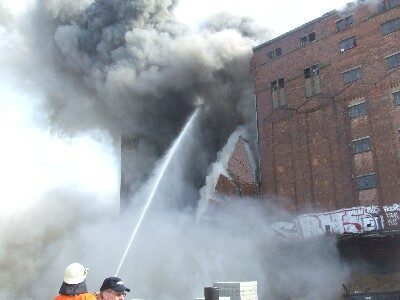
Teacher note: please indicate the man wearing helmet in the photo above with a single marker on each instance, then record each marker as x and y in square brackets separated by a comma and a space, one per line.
[74, 284]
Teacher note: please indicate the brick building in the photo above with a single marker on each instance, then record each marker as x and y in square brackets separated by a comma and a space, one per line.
[328, 109]
[328, 116]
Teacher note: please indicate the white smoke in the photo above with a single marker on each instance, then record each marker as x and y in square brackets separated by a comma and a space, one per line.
[173, 257]
[94, 69]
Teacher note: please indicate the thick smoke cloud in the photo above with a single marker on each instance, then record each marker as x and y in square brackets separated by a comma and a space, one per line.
[128, 67]
[246, 26]
[236, 246]
[173, 257]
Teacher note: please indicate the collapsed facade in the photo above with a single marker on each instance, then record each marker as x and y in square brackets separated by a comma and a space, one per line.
[241, 179]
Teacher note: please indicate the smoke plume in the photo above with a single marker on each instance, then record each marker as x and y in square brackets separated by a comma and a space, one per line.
[123, 67]
[129, 67]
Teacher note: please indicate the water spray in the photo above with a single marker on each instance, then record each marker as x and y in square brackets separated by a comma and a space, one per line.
[160, 174]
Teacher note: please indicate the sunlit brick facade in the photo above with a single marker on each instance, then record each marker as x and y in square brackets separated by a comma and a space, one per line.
[328, 96]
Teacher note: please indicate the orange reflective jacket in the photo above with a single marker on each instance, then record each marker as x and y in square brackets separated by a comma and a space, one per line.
[85, 296]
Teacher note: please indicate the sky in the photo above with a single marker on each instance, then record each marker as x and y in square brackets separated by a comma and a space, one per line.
[279, 17]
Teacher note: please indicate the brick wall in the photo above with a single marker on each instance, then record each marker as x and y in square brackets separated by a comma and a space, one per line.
[306, 153]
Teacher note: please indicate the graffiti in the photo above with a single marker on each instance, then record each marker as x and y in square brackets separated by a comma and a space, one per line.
[393, 218]
[356, 220]
[285, 229]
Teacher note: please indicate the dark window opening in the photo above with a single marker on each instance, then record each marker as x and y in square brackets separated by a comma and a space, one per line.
[312, 80]
[362, 145]
[307, 38]
[389, 4]
[275, 53]
[396, 97]
[273, 85]
[278, 93]
[357, 110]
[307, 73]
[347, 44]
[352, 75]
[367, 182]
[271, 54]
[281, 83]
[393, 61]
[390, 26]
[344, 23]
[311, 37]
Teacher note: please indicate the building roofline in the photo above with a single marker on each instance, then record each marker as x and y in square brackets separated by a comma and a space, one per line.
[324, 16]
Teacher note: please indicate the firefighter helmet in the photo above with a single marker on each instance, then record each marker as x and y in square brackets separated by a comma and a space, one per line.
[75, 273]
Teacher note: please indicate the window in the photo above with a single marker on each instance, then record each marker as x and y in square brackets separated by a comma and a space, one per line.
[281, 83]
[396, 97]
[362, 145]
[393, 61]
[344, 23]
[311, 37]
[307, 38]
[366, 182]
[307, 73]
[273, 85]
[352, 75]
[312, 80]
[278, 93]
[357, 110]
[275, 53]
[389, 4]
[391, 26]
[275, 95]
[315, 70]
[347, 44]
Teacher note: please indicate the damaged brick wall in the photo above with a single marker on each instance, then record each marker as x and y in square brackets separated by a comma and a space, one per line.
[240, 179]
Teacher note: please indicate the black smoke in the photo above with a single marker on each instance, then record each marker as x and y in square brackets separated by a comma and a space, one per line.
[130, 67]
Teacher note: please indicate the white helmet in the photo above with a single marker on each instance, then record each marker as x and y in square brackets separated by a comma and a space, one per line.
[75, 273]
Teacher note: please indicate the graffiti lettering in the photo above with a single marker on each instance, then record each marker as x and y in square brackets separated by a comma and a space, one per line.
[356, 220]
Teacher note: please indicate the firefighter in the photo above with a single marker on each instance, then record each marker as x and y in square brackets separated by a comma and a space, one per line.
[113, 289]
[74, 284]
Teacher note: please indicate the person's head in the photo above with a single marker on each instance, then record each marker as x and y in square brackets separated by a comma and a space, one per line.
[74, 280]
[113, 288]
